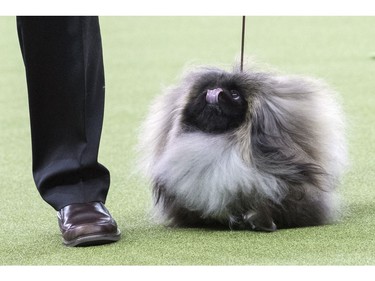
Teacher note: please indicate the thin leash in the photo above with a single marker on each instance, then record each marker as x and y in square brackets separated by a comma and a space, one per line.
[242, 41]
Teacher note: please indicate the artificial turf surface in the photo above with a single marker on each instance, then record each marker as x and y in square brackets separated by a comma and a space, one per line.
[141, 56]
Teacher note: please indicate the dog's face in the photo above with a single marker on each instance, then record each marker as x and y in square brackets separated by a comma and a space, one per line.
[217, 103]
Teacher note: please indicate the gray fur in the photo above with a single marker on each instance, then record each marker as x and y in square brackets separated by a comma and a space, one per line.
[280, 168]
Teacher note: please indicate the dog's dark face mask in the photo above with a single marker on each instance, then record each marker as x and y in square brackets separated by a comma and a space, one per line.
[217, 104]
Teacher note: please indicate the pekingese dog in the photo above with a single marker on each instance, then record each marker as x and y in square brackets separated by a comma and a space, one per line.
[249, 149]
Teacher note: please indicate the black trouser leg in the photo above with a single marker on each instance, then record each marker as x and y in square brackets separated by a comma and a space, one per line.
[65, 79]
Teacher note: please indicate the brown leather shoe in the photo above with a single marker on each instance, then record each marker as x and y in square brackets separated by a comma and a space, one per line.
[87, 224]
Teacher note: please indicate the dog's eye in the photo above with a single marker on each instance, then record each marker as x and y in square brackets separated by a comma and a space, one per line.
[235, 95]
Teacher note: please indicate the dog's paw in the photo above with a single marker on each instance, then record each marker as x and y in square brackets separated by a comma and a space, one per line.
[258, 222]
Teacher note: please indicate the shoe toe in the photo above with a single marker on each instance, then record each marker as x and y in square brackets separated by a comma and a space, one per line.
[87, 224]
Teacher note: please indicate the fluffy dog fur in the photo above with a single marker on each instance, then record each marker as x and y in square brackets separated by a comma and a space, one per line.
[268, 154]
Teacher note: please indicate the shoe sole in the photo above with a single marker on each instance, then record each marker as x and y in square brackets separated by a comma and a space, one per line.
[93, 240]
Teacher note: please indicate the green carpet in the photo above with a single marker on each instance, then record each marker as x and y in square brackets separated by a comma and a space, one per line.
[144, 54]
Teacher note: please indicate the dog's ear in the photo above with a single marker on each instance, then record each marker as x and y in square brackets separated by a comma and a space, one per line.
[275, 149]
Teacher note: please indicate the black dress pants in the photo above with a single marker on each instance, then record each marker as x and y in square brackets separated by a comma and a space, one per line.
[65, 81]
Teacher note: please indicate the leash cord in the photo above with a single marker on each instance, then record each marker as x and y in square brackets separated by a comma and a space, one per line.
[242, 41]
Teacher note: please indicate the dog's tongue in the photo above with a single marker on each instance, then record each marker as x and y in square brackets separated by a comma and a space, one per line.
[212, 96]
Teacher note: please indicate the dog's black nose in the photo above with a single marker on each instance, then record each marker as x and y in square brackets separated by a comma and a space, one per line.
[212, 96]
